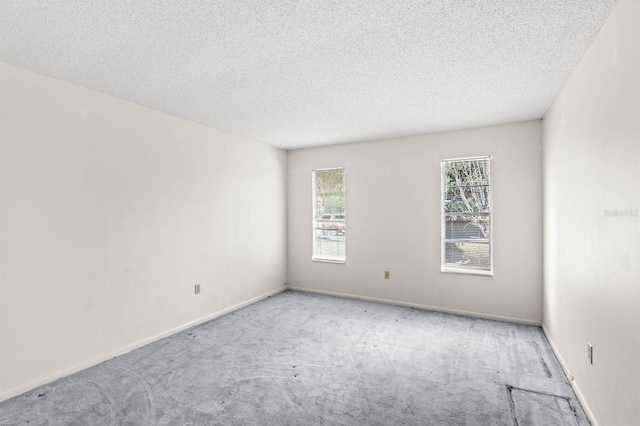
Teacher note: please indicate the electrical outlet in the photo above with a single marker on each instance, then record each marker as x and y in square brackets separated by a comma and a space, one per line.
[387, 275]
[590, 353]
[197, 288]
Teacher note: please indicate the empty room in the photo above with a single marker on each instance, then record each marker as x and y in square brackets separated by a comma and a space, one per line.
[320, 212]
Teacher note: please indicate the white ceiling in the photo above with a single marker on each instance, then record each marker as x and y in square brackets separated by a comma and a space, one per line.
[305, 73]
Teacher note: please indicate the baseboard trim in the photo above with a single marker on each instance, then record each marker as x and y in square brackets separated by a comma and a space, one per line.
[419, 306]
[572, 382]
[97, 360]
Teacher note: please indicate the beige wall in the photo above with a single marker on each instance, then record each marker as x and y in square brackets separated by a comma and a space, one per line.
[110, 213]
[592, 260]
[393, 222]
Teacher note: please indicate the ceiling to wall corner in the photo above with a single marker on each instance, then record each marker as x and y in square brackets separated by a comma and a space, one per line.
[306, 73]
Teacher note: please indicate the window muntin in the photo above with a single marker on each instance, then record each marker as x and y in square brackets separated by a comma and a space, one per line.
[466, 215]
[329, 215]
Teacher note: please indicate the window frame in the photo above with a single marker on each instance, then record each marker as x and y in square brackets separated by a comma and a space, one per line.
[448, 268]
[314, 201]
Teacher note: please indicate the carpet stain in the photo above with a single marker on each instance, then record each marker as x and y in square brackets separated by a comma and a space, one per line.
[411, 407]
[544, 365]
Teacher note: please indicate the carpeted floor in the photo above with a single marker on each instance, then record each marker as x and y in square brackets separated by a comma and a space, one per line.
[306, 359]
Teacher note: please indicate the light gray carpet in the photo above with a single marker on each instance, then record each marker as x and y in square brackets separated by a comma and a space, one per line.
[305, 359]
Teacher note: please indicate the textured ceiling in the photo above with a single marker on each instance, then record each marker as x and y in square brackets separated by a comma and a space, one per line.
[305, 73]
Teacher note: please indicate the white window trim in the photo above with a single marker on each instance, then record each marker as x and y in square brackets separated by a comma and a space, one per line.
[313, 216]
[458, 270]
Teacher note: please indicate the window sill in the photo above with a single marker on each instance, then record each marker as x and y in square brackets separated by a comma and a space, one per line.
[452, 270]
[314, 259]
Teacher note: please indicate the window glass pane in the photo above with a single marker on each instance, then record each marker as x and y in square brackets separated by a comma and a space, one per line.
[468, 172]
[329, 225]
[467, 199]
[466, 227]
[468, 255]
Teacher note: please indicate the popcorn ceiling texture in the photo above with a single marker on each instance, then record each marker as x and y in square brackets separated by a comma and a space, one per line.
[305, 73]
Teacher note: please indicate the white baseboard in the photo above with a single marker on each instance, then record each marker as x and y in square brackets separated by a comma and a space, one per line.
[415, 305]
[97, 360]
[574, 385]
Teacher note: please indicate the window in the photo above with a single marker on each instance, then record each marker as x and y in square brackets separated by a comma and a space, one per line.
[329, 217]
[466, 216]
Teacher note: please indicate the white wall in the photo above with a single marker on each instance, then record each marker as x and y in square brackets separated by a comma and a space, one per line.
[393, 222]
[110, 213]
[592, 260]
